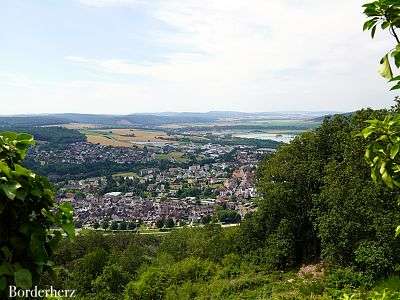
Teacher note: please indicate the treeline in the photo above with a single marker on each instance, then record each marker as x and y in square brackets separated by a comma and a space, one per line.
[54, 135]
[58, 171]
[29, 121]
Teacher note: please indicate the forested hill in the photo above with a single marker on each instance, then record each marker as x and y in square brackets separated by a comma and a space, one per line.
[150, 119]
[55, 135]
[318, 208]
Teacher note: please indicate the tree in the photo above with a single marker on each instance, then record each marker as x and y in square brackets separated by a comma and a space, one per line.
[160, 223]
[105, 224]
[206, 219]
[27, 213]
[228, 216]
[317, 201]
[169, 223]
[122, 225]
[132, 226]
[114, 225]
[113, 279]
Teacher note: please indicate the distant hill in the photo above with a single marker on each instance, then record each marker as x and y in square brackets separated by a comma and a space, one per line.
[149, 119]
[322, 118]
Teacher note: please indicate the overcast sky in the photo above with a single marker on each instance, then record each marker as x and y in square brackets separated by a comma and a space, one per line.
[127, 56]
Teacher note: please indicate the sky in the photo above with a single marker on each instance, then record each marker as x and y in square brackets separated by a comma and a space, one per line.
[131, 56]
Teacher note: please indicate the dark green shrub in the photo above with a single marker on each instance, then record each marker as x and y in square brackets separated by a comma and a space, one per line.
[347, 278]
[112, 280]
[373, 258]
[150, 286]
[27, 213]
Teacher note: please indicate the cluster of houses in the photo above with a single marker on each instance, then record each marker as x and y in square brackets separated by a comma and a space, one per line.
[82, 152]
[226, 172]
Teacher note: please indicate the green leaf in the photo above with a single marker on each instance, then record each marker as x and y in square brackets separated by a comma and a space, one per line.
[385, 69]
[398, 231]
[396, 87]
[6, 252]
[373, 31]
[382, 169]
[23, 171]
[4, 168]
[23, 278]
[387, 179]
[10, 189]
[394, 150]
[69, 228]
[3, 283]
[374, 175]
[396, 78]
[366, 132]
[385, 25]
[6, 269]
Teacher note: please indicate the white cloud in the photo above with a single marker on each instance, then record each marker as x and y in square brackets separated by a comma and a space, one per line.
[245, 55]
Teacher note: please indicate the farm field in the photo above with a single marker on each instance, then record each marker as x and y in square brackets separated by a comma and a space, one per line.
[124, 137]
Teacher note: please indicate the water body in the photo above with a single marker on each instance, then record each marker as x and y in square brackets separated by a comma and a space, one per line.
[285, 138]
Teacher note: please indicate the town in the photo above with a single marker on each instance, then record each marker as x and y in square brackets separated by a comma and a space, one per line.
[171, 184]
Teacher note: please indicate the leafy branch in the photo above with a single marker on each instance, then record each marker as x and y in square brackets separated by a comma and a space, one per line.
[386, 15]
[30, 221]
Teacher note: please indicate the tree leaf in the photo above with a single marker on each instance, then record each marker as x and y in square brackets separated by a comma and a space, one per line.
[385, 69]
[10, 189]
[3, 283]
[373, 31]
[394, 150]
[23, 278]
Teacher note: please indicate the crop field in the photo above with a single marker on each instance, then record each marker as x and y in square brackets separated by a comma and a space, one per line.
[124, 137]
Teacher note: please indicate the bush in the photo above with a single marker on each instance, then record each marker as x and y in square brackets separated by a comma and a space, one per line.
[373, 258]
[150, 286]
[112, 280]
[27, 213]
[86, 269]
[347, 278]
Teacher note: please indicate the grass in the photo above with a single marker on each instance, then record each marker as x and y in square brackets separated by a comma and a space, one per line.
[175, 155]
[125, 174]
[392, 283]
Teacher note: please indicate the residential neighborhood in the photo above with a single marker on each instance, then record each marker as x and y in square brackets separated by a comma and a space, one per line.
[185, 182]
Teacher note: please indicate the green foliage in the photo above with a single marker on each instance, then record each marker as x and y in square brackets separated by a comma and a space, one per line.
[86, 269]
[373, 258]
[169, 223]
[318, 201]
[114, 225]
[228, 216]
[28, 216]
[382, 153]
[347, 278]
[113, 279]
[386, 15]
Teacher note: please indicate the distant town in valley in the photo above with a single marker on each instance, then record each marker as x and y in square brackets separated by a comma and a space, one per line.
[148, 172]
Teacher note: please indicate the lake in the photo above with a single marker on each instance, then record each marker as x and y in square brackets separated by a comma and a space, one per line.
[285, 138]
